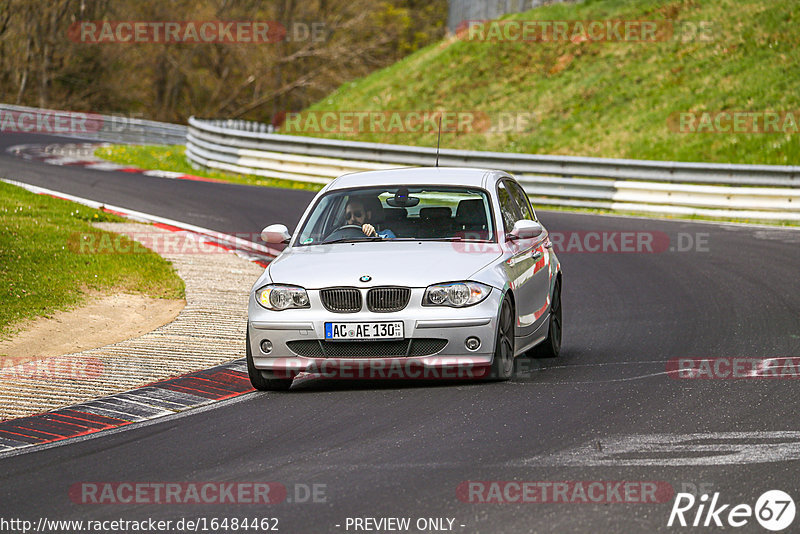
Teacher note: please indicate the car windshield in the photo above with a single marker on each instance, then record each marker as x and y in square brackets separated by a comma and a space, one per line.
[433, 213]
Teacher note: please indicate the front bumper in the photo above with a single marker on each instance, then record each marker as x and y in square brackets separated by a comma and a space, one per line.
[431, 326]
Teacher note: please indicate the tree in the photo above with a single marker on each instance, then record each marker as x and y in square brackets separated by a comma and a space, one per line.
[44, 62]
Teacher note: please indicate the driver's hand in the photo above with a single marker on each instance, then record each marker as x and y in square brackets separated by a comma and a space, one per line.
[369, 230]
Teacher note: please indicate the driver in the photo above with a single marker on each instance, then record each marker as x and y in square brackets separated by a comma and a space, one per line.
[355, 212]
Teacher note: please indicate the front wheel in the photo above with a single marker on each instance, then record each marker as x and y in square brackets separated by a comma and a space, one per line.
[503, 360]
[551, 346]
[257, 379]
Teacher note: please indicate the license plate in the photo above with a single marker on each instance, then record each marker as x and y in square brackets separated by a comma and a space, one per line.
[393, 330]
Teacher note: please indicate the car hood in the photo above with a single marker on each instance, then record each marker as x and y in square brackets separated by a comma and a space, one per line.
[411, 263]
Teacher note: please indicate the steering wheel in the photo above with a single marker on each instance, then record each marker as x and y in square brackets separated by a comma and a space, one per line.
[348, 231]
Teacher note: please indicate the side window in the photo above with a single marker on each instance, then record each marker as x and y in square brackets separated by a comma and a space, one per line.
[509, 211]
[523, 201]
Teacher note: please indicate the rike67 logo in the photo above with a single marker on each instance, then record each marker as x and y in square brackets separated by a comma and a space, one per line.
[774, 510]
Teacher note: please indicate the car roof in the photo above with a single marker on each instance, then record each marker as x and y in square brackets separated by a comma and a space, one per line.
[414, 176]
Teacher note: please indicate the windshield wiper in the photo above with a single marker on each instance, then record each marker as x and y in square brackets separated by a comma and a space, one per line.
[444, 239]
[452, 238]
[351, 239]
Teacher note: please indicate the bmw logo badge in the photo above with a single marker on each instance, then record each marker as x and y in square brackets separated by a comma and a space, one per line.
[365, 278]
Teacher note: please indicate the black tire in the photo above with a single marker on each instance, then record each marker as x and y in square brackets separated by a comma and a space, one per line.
[551, 346]
[503, 360]
[257, 379]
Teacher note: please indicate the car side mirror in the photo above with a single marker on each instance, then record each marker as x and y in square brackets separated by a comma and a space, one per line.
[525, 229]
[276, 233]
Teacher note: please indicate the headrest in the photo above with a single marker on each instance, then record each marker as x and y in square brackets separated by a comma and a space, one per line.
[435, 213]
[471, 212]
[395, 214]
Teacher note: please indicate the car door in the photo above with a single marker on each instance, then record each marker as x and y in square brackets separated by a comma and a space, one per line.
[527, 268]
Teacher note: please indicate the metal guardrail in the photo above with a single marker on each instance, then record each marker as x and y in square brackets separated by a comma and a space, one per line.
[91, 126]
[707, 189]
[460, 11]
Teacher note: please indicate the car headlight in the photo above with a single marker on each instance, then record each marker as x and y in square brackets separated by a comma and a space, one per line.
[278, 297]
[455, 294]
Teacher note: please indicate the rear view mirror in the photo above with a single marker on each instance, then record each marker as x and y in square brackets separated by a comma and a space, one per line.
[275, 233]
[525, 229]
[402, 200]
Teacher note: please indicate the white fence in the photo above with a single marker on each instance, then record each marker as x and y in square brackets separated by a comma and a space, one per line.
[718, 190]
[118, 128]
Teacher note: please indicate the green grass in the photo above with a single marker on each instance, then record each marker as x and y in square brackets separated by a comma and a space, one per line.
[42, 268]
[605, 99]
[172, 158]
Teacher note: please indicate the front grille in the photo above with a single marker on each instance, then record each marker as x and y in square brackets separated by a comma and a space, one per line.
[309, 349]
[341, 300]
[367, 349]
[426, 347]
[387, 299]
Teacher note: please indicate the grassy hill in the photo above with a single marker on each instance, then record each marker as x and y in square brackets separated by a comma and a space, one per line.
[607, 99]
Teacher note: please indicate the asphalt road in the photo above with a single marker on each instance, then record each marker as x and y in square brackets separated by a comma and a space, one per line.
[604, 411]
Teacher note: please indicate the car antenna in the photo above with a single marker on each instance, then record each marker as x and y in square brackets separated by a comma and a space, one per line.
[438, 140]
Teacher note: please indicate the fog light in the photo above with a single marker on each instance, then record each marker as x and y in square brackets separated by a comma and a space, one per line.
[472, 343]
[266, 346]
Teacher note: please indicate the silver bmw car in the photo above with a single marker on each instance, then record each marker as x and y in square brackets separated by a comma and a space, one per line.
[416, 273]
